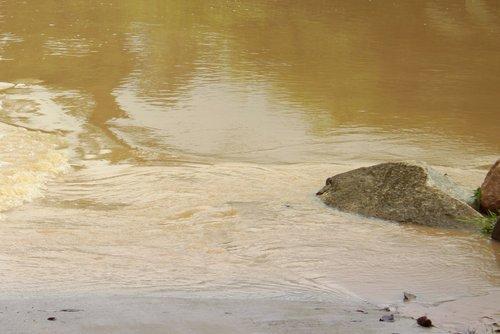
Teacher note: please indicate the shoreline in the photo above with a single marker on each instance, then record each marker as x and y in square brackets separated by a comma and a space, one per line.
[99, 313]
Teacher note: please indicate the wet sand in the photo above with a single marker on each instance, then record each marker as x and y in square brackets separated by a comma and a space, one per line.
[151, 313]
[127, 314]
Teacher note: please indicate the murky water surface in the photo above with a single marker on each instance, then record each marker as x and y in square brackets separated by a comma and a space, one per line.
[198, 132]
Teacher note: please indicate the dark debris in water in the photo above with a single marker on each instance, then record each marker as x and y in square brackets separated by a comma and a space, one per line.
[71, 310]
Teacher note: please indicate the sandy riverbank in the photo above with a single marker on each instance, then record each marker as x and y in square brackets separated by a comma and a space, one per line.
[153, 314]
[126, 314]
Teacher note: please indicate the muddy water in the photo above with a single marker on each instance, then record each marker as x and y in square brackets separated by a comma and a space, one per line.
[198, 132]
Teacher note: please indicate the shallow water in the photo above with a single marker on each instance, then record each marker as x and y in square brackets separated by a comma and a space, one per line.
[198, 133]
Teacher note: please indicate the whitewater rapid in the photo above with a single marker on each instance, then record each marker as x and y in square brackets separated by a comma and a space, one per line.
[28, 160]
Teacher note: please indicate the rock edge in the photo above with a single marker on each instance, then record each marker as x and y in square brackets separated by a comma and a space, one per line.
[401, 191]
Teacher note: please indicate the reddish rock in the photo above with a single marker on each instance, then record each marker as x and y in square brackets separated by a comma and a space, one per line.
[496, 231]
[490, 189]
[424, 321]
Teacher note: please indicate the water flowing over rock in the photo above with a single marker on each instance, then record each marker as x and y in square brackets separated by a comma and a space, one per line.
[403, 192]
[490, 189]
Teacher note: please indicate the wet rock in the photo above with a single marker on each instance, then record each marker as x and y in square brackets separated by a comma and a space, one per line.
[6, 85]
[424, 321]
[490, 189]
[387, 318]
[51, 318]
[407, 297]
[403, 192]
[495, 235]
[388, 309]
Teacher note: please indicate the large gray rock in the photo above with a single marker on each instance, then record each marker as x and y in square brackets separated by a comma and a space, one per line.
[403, 192]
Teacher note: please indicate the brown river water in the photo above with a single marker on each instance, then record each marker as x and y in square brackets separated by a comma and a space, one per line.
[182, 143]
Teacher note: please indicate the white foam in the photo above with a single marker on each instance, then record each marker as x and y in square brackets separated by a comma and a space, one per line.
[6, 85]
[28, 160]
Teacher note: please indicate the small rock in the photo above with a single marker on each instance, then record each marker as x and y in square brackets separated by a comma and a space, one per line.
[362, 311]
[51, 318]
[408, 296]
[71, 310]
[389, 309]
[424, 321]
[387, 318]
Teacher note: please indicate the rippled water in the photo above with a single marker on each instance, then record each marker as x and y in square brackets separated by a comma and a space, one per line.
[198, 132]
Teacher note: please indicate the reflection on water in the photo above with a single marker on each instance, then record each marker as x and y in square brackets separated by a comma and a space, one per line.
[203, 77]
[180, 115]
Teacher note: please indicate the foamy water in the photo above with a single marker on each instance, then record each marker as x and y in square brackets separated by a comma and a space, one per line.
[28, 159]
